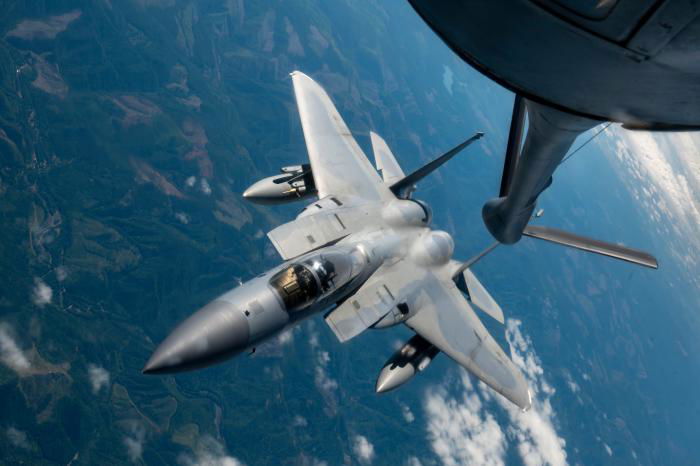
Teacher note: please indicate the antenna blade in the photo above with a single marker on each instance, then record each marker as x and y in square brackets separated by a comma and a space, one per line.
[405, 183]
[615, 251]
[515, 137]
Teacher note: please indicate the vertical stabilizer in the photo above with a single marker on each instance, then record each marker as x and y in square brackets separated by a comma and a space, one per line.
[385, 160]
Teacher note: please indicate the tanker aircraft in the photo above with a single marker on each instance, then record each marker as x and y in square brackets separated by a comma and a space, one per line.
[572, 65]
[362, 252]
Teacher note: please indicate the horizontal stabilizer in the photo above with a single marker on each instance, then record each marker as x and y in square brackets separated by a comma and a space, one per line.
[615, 251]
[406, 183]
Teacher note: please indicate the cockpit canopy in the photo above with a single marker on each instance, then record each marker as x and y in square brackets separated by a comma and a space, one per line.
[303, 283]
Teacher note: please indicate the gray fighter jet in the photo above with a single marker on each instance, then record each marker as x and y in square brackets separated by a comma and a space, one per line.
[365, 254]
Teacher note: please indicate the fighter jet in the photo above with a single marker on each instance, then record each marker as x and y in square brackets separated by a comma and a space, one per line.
[364, 253]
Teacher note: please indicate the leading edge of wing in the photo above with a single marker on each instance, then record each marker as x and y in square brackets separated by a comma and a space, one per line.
[338, 164]
[447, 321]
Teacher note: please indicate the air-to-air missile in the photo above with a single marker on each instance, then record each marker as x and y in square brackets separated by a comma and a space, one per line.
[413, 357]
[294, 183]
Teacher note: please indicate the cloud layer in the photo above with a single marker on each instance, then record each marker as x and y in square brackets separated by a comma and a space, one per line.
[662, 171]
[463, 429]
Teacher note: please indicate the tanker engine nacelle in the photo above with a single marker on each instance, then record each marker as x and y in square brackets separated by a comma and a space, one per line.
[295, 182]
[413, 357]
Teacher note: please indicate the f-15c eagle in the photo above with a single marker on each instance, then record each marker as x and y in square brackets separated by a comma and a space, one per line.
[364, 253]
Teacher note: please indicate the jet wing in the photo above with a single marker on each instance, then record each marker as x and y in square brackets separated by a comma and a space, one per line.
[338, 164]
[446, 320]
[320, 224]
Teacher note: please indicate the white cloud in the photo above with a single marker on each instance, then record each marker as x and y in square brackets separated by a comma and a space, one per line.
[538, 441]
[209, 452]
[42, 293]
[17, 438]
[326, 385]
[662, 171]
[190, 181]
[462, 429]
[286, 337]
[407, 413]
[182, 217]
[10, 353]
[99, 377]
[313, 339]
[608, 450]
[573, 386]
[134, 441]
[413, 461]
[447, 78]
[204, 186]
[299, 421]
[364, 450]
[323, 381]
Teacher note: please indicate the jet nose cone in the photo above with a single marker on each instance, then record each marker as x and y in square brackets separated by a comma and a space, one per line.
[213, 333]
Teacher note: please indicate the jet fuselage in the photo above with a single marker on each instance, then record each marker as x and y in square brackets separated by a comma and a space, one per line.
[246, 316]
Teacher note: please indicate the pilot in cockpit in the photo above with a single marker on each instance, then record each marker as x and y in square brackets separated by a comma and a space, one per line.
[325, 271]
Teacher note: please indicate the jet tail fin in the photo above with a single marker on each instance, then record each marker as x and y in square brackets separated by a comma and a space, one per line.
[467, 282]
[385, 161]
[583, 243]
[402, 186]
[478, 295]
